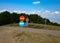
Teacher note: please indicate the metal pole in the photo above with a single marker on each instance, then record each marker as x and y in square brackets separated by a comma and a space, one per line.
[45, 21]
[27, 21]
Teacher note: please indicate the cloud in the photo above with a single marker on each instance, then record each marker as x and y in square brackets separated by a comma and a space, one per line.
[19, 11]
[27, 12]
[33, 12]
[36, 2]
[56, 12]
[50, 12]
[46, 12]
[3, 10]
[15, 11]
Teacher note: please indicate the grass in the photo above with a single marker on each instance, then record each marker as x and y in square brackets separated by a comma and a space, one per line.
[38, 26]
[42, 26]
[30, 37]
[13, 24]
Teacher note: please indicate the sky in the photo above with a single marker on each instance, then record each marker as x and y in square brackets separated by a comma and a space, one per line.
[46, 8]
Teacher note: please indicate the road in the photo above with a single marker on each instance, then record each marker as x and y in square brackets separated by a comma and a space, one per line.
[53, 32]
[6, 33]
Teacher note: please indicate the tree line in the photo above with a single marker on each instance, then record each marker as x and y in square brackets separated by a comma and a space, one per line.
[8, 18]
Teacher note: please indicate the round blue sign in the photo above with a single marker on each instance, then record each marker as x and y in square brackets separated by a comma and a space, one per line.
[21, 23]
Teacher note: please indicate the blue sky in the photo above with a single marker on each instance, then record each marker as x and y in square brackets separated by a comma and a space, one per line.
[46, 8]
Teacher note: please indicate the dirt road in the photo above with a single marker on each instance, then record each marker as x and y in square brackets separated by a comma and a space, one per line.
[53, 32]
[5, 33]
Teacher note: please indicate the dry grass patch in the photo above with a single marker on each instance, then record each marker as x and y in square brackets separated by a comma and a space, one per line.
[41, 26]
[37, 26]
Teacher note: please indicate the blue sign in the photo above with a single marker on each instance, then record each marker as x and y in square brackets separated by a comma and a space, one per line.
[21, 23]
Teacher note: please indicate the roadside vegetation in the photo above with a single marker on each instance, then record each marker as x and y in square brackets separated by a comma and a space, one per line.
[43, 26]
[37, 26]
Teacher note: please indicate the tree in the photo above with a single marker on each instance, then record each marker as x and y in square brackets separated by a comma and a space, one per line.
[4, 17]
[7, 18]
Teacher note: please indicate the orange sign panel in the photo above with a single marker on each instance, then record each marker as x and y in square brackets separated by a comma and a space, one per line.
[22, 18]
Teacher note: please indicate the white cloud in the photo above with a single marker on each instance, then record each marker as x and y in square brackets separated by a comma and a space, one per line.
[46, 12]
[33, 12]
[19, 11]
[15, 11]
[50, 12]
[3, 10]
[56, 12]
[36, 2]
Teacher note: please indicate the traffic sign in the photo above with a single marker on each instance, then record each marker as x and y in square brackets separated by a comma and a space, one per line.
[22, 18]
[21, 23]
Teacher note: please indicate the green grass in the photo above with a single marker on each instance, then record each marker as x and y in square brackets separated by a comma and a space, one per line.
[13, 24]
[30, 37]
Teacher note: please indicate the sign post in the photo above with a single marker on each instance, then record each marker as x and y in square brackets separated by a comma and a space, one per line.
[45, 21]
[27, 21]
